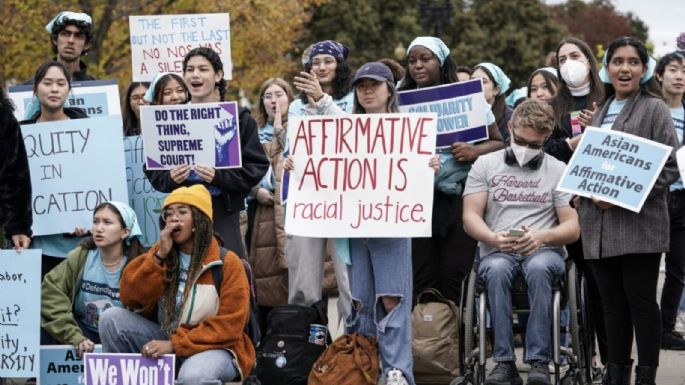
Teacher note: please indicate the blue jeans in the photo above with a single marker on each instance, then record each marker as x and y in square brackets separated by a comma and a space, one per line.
[383, 267]
[539, 270]
[122, 331]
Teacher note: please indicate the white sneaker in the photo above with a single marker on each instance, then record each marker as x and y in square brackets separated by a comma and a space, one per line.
[396, 377]
[563, 368]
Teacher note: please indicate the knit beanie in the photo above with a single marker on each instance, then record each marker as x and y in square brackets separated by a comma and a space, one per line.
[195, 195]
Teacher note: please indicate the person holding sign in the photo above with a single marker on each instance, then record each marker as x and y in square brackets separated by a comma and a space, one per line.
[76, 292]
[512, 207]
[134, 99]
[200, 320]
[15, 180]
[623, 246]
[442, 261]
[670, 72]
[495, 85]
[203, 73]
[51, 88]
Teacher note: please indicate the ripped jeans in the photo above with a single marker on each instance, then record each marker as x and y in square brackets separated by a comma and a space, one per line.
[383, 267]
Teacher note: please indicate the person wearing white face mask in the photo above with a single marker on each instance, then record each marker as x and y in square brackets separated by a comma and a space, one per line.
[522, 223]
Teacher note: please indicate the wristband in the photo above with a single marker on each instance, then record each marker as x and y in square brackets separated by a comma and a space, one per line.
[320, 97]
[158, 258]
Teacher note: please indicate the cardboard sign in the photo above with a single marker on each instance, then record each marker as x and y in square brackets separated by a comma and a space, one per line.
[615, 167]
[192, 134]
[19, 313]
[160, 42]
[59, 365]
[97, 98]
[461, 110]
[75, 165]
[361, 175]
[121, 368]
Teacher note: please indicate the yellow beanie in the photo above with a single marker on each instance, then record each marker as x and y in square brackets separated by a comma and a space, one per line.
[195, 195]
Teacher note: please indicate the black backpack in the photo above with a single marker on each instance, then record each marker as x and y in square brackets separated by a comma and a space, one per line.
[286, 356]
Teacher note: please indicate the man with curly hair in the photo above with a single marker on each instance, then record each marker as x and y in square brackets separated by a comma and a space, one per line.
[71, 36]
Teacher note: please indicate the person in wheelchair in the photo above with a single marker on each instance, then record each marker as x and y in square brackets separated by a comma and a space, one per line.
[522, 223]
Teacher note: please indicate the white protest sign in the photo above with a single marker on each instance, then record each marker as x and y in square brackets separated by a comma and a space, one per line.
[75, 165]
[160, 42]
[361, 175]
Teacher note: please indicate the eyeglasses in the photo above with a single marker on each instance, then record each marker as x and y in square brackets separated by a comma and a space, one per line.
[180, 213]
[523, 142]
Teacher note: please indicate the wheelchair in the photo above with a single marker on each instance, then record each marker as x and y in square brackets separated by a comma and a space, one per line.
[569, 290]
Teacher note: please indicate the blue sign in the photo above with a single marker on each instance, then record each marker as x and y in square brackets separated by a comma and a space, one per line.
[614, 167]
[461, 108]
[59, 365]
[19, 313]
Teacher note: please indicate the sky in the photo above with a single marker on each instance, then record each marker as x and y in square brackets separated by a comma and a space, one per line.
[665, 19]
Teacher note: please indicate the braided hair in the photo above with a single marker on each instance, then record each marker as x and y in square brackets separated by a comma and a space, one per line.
[216, 63]
[202, 238]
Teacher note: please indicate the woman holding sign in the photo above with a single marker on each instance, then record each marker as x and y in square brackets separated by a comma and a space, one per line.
[51, 88]
[625, 247]
[201, 320]
[442, 261]
[203, 73]
[76, 292]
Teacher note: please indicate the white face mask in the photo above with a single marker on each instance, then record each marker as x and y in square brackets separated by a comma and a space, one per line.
[574, 72]
[524, 154]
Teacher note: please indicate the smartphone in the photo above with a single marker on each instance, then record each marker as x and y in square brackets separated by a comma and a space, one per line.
[516, 233]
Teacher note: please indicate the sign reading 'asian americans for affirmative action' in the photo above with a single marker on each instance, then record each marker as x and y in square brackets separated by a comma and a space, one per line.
[614, 167]
[361, 175]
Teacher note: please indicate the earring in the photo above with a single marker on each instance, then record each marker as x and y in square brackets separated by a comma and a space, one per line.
[193, 229]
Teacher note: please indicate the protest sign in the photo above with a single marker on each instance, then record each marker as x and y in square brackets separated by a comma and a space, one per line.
[96, 98]
[614, 167]
[143, 198]
[204, 134]
[680, 158]
[361, 175]
[160, 42]
[122, 368]
[461, 109]
[19, 313]
[59, 365]
[75, 165]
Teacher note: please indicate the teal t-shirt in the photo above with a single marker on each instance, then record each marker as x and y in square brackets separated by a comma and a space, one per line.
[55, 245]
[98, 290]
[614, 109]
[678, 116]
[182, 278]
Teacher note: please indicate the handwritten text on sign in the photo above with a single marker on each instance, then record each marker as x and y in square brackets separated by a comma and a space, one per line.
[361, 175]
[143, 198]
[206, 134]
[19, 313]
[615, 167]
[120, 368]
[75, 165]
[461, 109]
[160, 42]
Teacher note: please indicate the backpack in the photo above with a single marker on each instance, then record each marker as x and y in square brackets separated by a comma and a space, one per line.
[252, 327]
[435, 341]
[286, 356]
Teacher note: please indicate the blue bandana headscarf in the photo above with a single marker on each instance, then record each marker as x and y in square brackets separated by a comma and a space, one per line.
[150, 93]
[604, 75]
[516, 95]
[66, 15]
[329, 47]
[130, 220]
[498, 76]
[435, 45]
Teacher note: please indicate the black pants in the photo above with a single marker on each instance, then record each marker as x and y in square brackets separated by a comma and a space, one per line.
[443, 261]
[627, 286]
[675, 262]
[227, 225]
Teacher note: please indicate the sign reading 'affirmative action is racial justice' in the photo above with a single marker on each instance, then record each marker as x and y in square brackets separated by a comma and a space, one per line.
[361, 175]
[614, 167]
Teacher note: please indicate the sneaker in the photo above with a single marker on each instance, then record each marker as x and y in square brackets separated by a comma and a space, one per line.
[680, 322]
[563, 368]
[504, 373]
[396, 377]
[672, 340]
[598, 374]
[539, 374]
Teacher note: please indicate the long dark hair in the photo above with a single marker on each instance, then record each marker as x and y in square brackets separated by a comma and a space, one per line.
[341, 83]
[448, 75]
[563, 103]
[202, 238]
[131, 251]
[158, 92]
[550, 79]
[216, 63]
[499, 108]
[42, 71]
[131, 126]
[5, 101]
[650, 87]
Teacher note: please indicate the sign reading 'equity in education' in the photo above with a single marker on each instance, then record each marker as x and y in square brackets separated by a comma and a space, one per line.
[614, 167]
[361, 175]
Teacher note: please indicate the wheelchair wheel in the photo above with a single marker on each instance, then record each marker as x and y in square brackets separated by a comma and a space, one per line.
[469, 318]
[578, 313]
[587, 331]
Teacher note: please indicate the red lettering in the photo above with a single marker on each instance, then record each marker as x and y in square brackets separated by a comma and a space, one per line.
[301, 135]
[404, 175]
[423, 135]
[309, 171]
